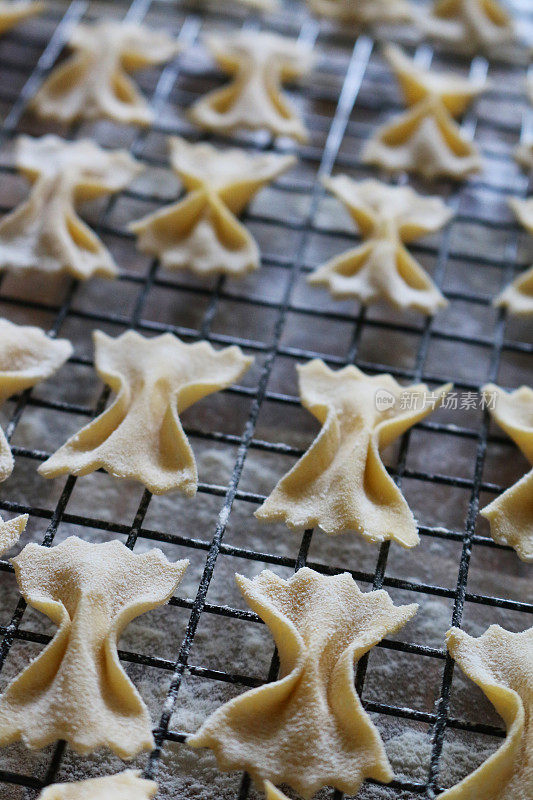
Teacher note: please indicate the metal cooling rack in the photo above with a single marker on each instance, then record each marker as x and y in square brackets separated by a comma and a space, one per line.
[351, 74]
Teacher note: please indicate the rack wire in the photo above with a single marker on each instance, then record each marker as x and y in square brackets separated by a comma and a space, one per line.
[341, 122]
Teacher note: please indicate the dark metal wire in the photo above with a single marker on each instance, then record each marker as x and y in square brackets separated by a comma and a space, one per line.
[323, 161]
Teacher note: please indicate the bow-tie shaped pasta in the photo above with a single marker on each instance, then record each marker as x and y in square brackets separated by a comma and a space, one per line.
[363, 12]
[45, 232]
[11, 530]
[426, 139]
[272, 792]
[11, 13]
[127, 785]
[260, 63]
[94, 81]
[381, 267]
[308, 729]
[341, 483]
[524, 155]
[139, 436]
[501, 664]
[27, 357]
[517, 298]
[76, 689]
[262, 5]
[511, 514]
[470, 25]
[524, 151]
[201, 231]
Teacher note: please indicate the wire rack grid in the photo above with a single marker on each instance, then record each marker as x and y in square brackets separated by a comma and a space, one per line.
[351, 91]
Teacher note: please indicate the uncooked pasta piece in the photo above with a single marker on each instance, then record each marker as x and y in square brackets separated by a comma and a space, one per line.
[127, 785]
[45, 232]
[14, 11]
[341, 483]
[139, 436]
[94, 81]
[426, 139]
[259, 63]
[501, 664]
[523, 210]
[261, 5]
[363, 12]
[524, 154]
[524, 151]
[511, 514]
[308, 729]
[470, 25]
[381, 267]
[76, 689]
[272, 793]
[517, 298]
[27, 357]
[10, 531]
[202, 232]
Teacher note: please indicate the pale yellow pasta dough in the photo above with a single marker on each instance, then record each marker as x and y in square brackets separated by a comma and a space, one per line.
[127, 785]
[76, 689]
[470, 25]
[27, 357]
[14, 11]
[524, 155]
[259, 63]
[426, 139]
[341, 483]
[94, 81]
[139, 435]
[45, 232]
[363, 12]
[381, 267]
[308, 729]
[511, 514]
[272, 793]
[202, 232]
[517, 298]
[501, 664]
[524, 151]
[10, 531]
[261, 5]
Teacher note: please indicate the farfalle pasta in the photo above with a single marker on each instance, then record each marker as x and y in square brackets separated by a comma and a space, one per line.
[261, 5]
[517, 298]
[381, 267]
[139, 436]
[308, 729]
[363, 12]
[45, 232]
[340, 483]
[501, 664]
[426, 139]
[259, 63]
[272, 792]
[202, 232]
[524, 151]
[14, 11]
[524, 154]
[11, 530]
[470, 25]
[27, 357]
[94, 81]
[511, 514]
[127, 785]
[76, 688]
